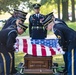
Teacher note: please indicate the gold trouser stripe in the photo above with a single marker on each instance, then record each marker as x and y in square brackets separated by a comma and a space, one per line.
[4, 61]
[10, 62]
[72, 61]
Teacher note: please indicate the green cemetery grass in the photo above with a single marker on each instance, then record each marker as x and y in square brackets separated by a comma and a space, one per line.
[72, 25]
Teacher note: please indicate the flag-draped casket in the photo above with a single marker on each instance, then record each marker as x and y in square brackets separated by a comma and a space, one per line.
[39, 54]
[39, 47]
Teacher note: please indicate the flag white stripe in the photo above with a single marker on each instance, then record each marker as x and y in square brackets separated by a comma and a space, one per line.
[38, 48]
[39, 52]
[48, 52]
[29, 49]
[21, 45]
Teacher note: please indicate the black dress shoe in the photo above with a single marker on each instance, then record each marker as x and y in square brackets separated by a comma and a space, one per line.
[14, 71]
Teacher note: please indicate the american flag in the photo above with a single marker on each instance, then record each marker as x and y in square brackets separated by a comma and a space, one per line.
[38, 47]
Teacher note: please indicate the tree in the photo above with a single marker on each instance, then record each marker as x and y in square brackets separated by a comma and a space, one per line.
[65, 10]
[73, 10]
[51, 3]
[7, 5]
[58, 6]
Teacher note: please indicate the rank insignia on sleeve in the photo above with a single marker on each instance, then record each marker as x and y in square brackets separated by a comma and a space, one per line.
[59, 37]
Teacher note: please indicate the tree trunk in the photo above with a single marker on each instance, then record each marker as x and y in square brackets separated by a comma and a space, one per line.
[65, 10]
[58, 4]
[73, 10]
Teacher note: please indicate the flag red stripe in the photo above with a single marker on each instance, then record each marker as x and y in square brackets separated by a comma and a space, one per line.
[52, 51]
[25, 46]
[34, 49]
[43, 50]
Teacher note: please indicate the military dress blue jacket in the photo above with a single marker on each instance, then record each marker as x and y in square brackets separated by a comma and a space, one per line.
[36, 29]
[65, 35]
[7, 39]
[9, 22]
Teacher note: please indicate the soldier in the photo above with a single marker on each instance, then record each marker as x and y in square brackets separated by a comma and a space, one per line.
[13, 18]
[7, 40]
[36, 29]
[18, 20]
[61, 22]
[19, 17]
[67, 38]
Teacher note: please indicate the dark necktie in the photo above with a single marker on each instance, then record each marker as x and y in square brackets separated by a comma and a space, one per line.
[37, 15]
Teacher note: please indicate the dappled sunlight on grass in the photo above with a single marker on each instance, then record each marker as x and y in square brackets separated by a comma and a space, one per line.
[58, 59]
[19, 57]
[72, 25]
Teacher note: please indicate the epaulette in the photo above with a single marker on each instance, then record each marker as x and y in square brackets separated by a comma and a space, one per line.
[11, 32]
[32, 16]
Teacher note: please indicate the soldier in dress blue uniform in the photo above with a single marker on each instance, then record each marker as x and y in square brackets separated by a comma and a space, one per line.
[19, 17]
[36, 29]
[67, 39]
[61, 22]
[7, 40]
[13, 18]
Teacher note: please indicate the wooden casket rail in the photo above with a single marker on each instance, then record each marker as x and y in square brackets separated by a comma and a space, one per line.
[37, 64]
[38, 71]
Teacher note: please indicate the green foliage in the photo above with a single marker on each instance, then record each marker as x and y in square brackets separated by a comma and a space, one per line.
[56, 1]
[7, 5]
[45, 9]
[64, 0]
[44, 2]
[48, 6]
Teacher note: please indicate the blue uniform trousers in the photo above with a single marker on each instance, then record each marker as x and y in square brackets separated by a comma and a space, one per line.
[72, 59]
[65, 56]
[5, 63]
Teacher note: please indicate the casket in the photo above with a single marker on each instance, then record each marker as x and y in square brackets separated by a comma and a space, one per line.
[37, 65]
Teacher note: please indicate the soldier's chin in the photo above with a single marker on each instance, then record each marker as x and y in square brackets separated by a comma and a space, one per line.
[19, 33]
[48, 28]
